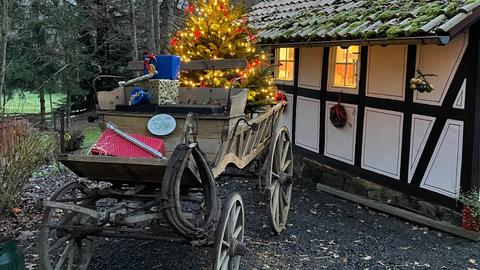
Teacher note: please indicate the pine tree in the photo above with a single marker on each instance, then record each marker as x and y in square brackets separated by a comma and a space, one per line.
[215, 29]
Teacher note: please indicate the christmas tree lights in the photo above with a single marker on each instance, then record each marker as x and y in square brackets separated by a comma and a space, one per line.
[215, 29]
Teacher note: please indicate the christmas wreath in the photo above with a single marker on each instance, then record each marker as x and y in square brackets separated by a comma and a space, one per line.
[338, 114]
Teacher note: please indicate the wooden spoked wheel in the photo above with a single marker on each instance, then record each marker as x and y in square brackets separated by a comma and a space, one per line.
[60, 249]
[279, 178]
[229, 246]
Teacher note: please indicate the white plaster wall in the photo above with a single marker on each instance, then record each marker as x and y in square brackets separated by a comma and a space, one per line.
[310, 68]
[442, 61]
[340, 142]
[460, 99]
[420, 131]
[307, 125]
[444, 169]
[386, 72]
[382, 141]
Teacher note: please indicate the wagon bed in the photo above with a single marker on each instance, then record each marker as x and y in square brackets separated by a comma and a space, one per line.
[223, 139]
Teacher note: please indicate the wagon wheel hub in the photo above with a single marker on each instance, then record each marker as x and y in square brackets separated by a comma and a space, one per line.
[284, 178]
[237, 248]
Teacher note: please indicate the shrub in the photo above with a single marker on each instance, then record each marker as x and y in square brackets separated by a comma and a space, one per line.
[74, 140]
[24, 155]
[471, 200]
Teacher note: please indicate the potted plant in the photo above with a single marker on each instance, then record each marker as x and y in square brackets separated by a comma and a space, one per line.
[471, 210]
[11, 256]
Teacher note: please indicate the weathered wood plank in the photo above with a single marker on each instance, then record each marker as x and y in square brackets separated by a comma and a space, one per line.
[107, 100]
[113, 160]
[221, 64]
[232, 158]
[193, 65]
[116, 169]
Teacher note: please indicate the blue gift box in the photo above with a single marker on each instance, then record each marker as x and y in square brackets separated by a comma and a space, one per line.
[167, 66]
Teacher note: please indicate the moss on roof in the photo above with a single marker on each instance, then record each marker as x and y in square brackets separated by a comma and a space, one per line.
[349, 19]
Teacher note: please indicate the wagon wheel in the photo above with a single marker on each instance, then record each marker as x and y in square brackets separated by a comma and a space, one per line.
[193, 217]
[57, 248]
[279, 178]
[229, 246]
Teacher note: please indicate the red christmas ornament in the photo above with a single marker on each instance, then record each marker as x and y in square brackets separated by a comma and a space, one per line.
[197, 34]
[191, 8]
[173, 41]
[224, 9]
[279, 96]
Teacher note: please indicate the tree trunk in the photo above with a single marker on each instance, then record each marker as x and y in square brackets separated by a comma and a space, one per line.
[156, 24]
[149, 31]
[41, 95]
[133, 30]
[3, 47]
[166, 24]
[51, 103]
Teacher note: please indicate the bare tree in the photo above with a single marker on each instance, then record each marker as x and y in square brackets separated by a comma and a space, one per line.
[149, 31]
[167, 28]
[156, 23]
[133, 30]
[3, 46]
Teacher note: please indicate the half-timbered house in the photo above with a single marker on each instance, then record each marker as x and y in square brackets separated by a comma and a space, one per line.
[364, 54]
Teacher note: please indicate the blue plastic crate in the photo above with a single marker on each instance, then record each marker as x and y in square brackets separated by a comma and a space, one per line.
[168, 67]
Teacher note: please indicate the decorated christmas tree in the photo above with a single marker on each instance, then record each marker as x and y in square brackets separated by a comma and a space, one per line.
[215, 29]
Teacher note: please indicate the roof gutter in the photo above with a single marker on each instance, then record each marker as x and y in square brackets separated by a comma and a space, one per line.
[438, 40]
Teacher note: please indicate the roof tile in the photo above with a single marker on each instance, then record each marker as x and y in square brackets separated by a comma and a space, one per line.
[317, 20]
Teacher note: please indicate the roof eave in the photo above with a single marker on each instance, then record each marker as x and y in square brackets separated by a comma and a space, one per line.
[438, 40]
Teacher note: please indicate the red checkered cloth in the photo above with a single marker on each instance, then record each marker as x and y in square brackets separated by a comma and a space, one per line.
[112, 144]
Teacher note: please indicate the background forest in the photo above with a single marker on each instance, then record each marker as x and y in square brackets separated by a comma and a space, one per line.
[51, 50]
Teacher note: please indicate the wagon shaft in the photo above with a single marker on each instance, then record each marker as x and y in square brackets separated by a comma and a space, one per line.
[117, 232]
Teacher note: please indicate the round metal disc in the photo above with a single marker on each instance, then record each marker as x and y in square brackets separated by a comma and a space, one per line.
[161, 124]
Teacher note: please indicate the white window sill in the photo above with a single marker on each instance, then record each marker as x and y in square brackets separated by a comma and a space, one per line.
[345, 90]
[282, 82]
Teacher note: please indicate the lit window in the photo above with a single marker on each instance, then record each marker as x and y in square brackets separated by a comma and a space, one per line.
[346, 66]
[285, 59]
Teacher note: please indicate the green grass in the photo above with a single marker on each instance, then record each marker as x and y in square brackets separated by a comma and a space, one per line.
[30, 103]
[91, 136]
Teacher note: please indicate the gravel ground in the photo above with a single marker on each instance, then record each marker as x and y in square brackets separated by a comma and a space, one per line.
[324, 232]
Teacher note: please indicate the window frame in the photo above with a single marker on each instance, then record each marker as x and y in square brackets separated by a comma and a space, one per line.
[331, 72]
[276, 71]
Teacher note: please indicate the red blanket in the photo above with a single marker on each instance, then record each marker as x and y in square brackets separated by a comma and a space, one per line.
[112, 144]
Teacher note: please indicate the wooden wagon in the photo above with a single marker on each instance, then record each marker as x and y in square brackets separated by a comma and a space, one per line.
[178, 190]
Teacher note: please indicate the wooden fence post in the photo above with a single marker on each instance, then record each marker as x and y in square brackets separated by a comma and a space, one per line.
[62, 132]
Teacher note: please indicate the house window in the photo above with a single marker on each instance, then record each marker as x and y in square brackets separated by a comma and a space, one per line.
[345, 71]
[285, 61]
